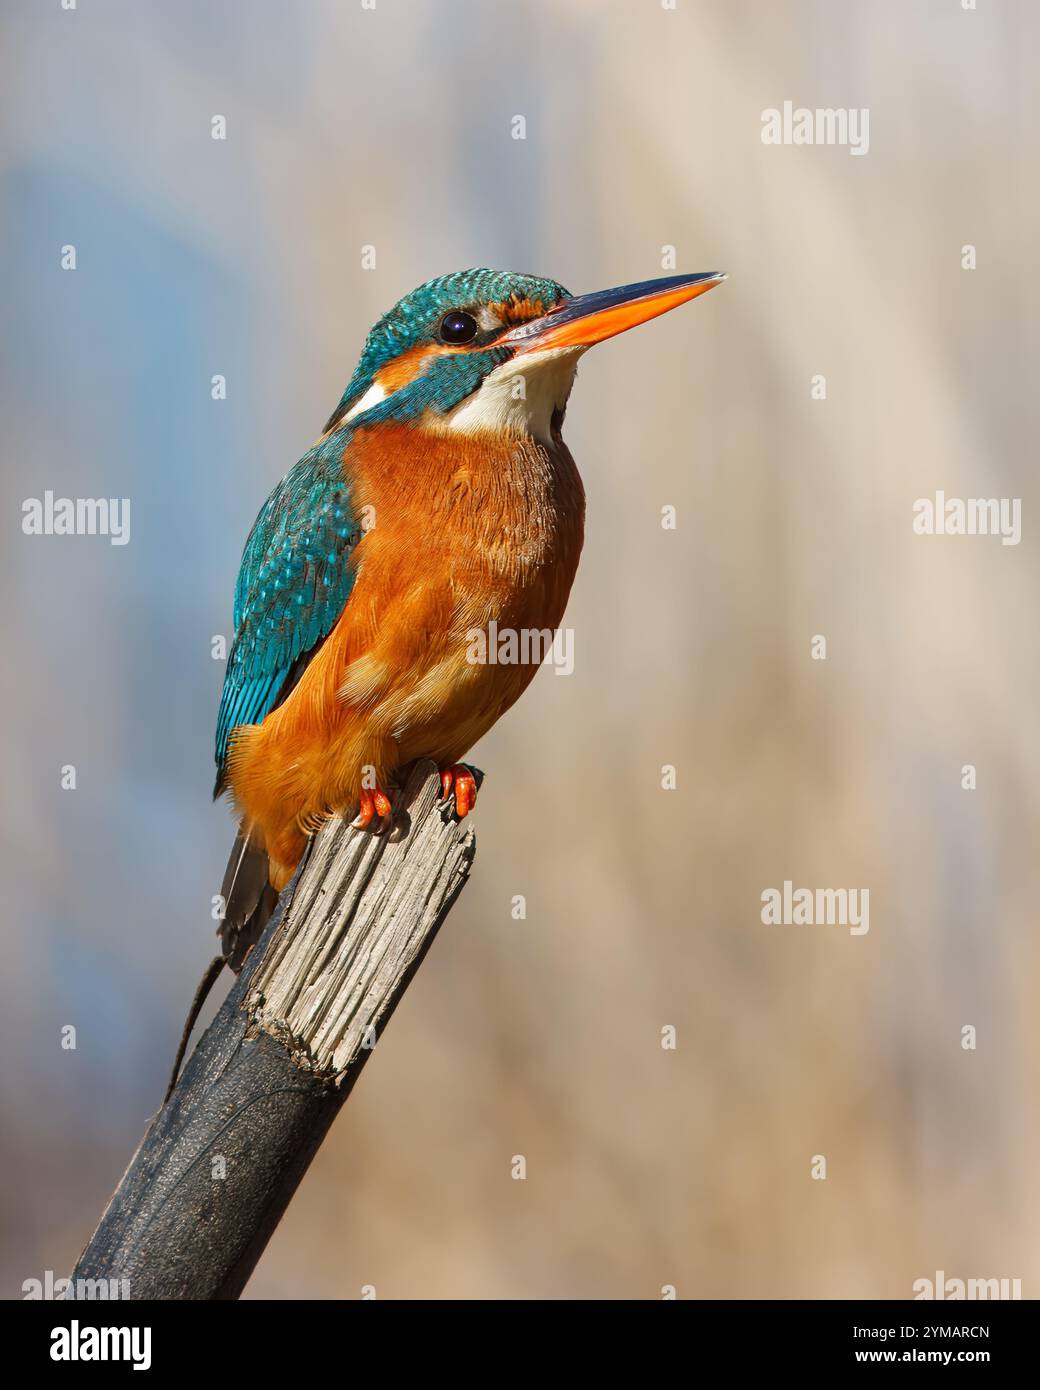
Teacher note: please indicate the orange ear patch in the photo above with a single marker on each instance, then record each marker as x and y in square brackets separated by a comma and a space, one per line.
[406, 368]
[512, 311]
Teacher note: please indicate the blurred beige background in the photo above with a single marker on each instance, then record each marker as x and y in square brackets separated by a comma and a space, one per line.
[391, 128]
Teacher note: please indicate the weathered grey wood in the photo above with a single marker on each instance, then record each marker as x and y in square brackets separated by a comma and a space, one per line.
[270, 1073]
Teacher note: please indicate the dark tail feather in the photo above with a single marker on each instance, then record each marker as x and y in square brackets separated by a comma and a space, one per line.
[249, 901]
[207, 982]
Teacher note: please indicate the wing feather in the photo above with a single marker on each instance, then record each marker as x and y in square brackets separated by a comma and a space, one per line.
[294, 580]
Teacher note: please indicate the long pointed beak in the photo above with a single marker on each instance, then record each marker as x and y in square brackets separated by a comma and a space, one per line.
[589, 318]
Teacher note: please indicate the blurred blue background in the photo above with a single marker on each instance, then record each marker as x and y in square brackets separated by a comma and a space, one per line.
[391, 128]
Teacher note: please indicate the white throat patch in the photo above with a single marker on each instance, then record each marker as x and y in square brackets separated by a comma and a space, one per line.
[519, 397]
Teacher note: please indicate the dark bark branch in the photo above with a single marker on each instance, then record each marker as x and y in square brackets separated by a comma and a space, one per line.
[220, 1161]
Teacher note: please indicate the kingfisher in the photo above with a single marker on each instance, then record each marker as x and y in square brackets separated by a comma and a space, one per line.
[438, 500]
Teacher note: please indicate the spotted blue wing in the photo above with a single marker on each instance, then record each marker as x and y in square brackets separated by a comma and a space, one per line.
[294, 580]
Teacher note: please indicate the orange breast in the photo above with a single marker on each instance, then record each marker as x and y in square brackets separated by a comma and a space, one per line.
[463, 531]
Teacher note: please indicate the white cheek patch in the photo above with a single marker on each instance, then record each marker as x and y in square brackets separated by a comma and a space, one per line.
[372, 396]
[519, 397]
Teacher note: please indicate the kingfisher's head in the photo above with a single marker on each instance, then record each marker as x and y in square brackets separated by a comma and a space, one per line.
[488, 351]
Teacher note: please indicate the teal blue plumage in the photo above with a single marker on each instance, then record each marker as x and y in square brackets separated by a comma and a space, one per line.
[294, 579]
[415, 318]
[296, 572]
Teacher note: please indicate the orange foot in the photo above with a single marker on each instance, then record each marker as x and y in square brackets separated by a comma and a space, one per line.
[459, 779]
[374, 802]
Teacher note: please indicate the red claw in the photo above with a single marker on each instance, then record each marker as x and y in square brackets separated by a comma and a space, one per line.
[460, 779]
[373, 803]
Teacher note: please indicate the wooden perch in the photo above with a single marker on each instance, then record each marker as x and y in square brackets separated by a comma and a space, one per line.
[219, 1163]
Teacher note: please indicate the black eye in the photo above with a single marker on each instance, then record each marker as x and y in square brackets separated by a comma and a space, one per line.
[458, 327]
